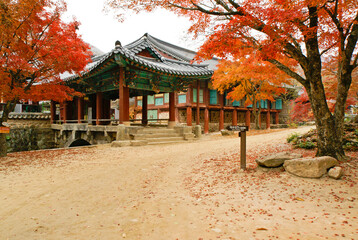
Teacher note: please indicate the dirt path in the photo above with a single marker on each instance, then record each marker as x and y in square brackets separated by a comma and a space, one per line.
[183, 191]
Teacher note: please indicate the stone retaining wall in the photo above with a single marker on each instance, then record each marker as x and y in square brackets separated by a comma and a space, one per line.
[30, 138]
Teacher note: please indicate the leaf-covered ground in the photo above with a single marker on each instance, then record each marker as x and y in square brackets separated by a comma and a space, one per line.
[184, 191]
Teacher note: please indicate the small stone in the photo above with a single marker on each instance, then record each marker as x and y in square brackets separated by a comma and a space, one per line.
[216, 230]
[335, 172]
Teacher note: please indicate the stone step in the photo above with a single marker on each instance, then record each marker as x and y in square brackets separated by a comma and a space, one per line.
[165, 139]
[172, 142]
[158, 130]
[155, 135]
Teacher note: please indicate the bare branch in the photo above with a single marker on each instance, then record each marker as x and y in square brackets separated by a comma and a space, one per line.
[288, 71]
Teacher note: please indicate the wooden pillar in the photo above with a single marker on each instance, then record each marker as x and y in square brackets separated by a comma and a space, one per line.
[276, 118]
[99, 107]
[268, 116]
[176, 109]
[189, 116]
[206, 120]
[106, 110]
[123, 98]
[65, 109]
[268, 119]
[206, 111]
[221, 119]
[197, 102]
[189, 101]
[53, 111]
[171, 123]
[79, 109]
[145, 110]
[234, 117]
[259, 116]
[247, 119]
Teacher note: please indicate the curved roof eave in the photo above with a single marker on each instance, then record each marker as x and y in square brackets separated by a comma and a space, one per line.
[164, 66]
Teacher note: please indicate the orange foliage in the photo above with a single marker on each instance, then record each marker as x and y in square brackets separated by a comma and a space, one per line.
[36, 46]
[251, 78]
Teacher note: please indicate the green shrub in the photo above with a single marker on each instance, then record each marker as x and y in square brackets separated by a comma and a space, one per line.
[307, 145]
[293, 137]
[293, 125]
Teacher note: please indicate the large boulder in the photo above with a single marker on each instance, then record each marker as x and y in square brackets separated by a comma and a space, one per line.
[310, 167]
[276, 159]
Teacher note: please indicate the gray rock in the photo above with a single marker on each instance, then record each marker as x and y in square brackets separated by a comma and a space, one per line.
[120, 143]
[310, 167]
[197, 131]
[276, 159]
[335, 172]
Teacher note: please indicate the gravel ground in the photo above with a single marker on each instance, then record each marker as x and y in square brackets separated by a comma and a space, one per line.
[181, 191]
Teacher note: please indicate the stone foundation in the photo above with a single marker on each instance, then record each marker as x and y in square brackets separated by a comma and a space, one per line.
[30, 138]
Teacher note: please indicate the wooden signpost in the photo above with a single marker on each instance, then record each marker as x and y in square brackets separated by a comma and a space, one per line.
[4, 130]
[242, 134]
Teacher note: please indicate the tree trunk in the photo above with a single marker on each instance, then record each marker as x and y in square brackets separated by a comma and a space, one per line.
[255, 113]
[9, 107]
[3, 145]
[329, 137]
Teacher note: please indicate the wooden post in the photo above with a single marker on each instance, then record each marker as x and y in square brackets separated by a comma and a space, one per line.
[247, 119]
[99, 107]
[123, 98]
[234, 117]
[79, 109]
[53, 111]
[206, 120]
[171, 123]
[221, 119]
[276, 118]
[189, 116]
[206, 111]
[259, 116]
[197, 102]
[176, 109]
[268, 115]
[145, 110]
[243, 150]
[65, 109]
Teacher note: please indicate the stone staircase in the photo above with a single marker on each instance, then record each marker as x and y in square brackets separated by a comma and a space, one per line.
[161, 136]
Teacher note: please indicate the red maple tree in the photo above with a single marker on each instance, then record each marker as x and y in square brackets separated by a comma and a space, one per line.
[306, 32]
[36, 46]
[250, 79]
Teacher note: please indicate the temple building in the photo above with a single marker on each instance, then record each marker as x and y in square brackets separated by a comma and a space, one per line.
[154, 82]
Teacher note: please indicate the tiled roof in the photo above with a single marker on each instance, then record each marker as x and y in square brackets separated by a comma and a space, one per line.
[180, 66]
[28, 115]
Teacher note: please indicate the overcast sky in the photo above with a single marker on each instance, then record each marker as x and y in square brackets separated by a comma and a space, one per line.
[103, 30]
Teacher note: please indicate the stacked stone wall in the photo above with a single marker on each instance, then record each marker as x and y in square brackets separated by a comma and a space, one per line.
[29, 138]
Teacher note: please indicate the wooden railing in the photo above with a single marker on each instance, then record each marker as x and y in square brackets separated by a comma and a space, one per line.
[162, 121]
